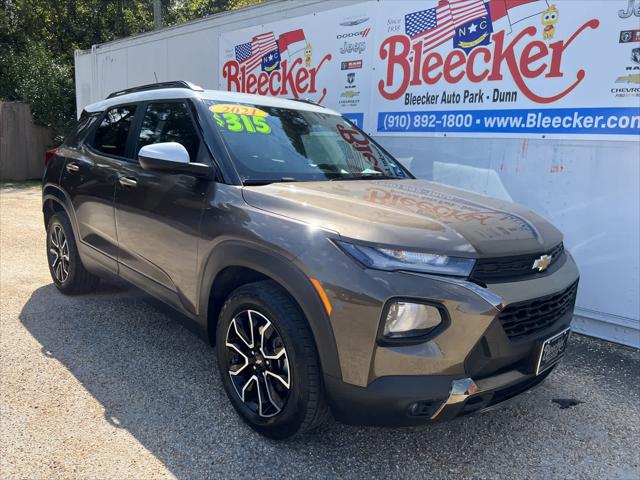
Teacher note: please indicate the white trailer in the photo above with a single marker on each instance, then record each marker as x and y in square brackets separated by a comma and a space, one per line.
[588, 185]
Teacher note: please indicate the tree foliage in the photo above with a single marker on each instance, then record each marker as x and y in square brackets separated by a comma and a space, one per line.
[38, 39]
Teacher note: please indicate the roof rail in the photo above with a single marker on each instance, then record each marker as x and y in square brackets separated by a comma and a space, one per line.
[156, 86]
[306, 100]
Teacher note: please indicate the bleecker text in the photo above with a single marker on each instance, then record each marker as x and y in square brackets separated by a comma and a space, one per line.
[408, 66]
[294, 78]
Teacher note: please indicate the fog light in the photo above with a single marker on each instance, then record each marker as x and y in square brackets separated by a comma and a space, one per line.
[406, 319]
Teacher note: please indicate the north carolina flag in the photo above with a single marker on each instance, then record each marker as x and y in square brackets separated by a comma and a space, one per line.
[292, 42]
[510, 12]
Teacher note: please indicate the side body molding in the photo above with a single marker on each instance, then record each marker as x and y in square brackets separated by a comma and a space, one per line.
[236, 253]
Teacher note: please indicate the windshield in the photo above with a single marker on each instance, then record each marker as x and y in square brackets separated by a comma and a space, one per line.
[270, 144]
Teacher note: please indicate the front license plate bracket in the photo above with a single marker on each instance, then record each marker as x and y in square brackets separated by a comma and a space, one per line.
[552, 350]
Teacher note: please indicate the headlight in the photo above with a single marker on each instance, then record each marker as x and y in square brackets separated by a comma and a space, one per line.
[406, 319]
[395, 259]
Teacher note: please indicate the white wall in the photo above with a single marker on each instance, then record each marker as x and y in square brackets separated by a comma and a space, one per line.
[589, 189]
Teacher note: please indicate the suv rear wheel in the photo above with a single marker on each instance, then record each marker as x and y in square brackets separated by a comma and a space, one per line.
[268, 361]
[66, 268]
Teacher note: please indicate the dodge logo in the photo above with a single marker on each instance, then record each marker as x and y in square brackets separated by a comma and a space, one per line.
[542, 263]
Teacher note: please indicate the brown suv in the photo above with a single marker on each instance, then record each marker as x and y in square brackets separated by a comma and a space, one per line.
[327, 276]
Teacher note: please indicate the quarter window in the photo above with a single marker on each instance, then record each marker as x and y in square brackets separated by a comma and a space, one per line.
[169, 122]
[111, 135]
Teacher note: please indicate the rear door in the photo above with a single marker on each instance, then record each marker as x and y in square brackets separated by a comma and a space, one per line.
[158, 213]
[89, 178]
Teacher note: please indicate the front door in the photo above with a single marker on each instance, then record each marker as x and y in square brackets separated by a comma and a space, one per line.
[89, 178]
[158, 213]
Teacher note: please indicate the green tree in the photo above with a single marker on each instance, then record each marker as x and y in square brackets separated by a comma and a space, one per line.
[38, 39]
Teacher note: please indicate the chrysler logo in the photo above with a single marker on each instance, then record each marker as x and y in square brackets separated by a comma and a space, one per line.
[542, 263]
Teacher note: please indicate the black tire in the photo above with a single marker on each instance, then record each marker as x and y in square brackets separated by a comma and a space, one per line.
[72, 278]
[305, 407]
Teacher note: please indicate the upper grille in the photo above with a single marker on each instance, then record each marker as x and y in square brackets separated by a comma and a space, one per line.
[495, 269]
[524, 318]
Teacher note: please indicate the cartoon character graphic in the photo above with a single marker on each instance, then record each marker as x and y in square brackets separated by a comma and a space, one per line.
[307, 55]
[549, 19]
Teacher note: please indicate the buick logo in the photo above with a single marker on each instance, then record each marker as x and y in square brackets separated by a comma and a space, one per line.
[542, 263]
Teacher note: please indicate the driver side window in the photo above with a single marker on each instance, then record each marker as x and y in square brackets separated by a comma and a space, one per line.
[169, 122]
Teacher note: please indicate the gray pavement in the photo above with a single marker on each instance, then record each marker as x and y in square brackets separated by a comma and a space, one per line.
[111, 385]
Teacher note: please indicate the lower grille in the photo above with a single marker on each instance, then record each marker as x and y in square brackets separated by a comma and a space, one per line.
[510, 392]
[526, 318]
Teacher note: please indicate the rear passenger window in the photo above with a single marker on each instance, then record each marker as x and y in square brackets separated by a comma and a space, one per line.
[81, 128]
[169, 122]
[111, 135]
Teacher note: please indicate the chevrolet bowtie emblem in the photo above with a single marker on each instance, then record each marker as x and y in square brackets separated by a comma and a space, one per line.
[542, 263]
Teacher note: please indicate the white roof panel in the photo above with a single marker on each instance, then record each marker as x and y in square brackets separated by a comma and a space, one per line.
[219, 95]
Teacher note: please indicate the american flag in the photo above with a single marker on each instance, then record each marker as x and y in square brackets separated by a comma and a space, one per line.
[432, 27]
[464, 11]
[250, 54]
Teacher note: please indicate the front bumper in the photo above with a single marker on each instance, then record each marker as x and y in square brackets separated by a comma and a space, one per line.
[412, 384]
[412, 401]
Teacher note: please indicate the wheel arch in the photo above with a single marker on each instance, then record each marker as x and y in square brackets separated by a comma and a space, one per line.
[235, 263]
[54, 201]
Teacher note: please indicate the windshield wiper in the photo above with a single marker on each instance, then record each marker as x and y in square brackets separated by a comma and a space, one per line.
[366, 176]
[266, 181]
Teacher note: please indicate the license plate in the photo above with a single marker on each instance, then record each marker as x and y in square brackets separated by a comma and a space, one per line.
[552, 350]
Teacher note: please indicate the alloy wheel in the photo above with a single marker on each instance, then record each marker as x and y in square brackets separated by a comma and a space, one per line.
[258, 363]
[59, 253]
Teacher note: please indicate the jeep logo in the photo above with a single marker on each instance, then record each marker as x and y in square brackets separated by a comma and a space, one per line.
[633, 8]
[356, 47]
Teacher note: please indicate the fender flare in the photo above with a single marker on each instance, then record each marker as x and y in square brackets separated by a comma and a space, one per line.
[236, 253]
[57, 195]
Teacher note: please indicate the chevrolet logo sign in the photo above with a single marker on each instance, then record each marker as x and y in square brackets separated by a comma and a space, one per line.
[542, 263]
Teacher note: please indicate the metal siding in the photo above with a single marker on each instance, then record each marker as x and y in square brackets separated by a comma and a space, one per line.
[84, 76]
[588, 189]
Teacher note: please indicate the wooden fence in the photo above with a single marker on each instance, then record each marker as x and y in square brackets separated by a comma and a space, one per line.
[22, 143]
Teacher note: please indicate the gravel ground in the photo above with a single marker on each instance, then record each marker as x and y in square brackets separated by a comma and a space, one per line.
[111, 385]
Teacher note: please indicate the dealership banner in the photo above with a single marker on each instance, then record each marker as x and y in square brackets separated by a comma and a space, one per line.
[523, 68]
[324, 57]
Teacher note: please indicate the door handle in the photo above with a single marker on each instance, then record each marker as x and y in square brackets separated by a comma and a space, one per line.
[128, 182]
[72, 167]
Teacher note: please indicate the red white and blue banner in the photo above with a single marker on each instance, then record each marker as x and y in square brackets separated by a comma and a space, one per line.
[520, 68]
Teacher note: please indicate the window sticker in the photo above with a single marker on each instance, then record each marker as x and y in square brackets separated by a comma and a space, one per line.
[240, 118]
[237, 109]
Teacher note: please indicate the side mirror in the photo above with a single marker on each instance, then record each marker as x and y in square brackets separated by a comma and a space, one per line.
[170, 157]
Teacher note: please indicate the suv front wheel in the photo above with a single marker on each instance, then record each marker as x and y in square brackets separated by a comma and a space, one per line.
[268, 361]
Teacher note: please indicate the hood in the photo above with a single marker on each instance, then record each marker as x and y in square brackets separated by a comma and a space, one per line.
[413, 214]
